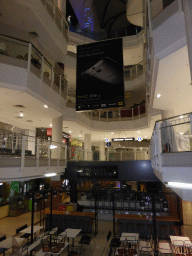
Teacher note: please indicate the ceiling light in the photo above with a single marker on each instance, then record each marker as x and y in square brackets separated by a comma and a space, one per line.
[181, 116]
[158, 95]
[51, 125]
[50, 174]
[79, 136]
[112, 133]
[138, 131]
[69, 131]
[21, 114]
[45, 106]
[180, 185]
[145, 136]
[181, 133]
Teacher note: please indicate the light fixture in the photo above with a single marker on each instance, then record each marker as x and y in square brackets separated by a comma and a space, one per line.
[138, 131]
[158, 95]
[51, 125]
[1, 184]
[50, 174]
[112, 133]
[181, 133]
[181, 116]
[45, 106]
[69, 131]
[180, 185]
[21, 114]
[145, 136]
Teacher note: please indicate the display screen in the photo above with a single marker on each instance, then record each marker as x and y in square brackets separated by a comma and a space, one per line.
[100, 77]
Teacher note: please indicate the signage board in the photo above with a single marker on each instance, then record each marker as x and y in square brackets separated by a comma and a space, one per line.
[49, 131]
[139, 139]
[98, 172]
[100, 75]
[123, 139]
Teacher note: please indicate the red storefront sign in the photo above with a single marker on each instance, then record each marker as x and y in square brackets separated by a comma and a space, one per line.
[49, 131]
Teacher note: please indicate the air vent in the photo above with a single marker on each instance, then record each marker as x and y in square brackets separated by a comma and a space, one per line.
[33, 33]
[29, 121]
[18, 106]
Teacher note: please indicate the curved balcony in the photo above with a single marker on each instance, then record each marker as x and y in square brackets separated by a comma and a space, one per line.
[22, 54]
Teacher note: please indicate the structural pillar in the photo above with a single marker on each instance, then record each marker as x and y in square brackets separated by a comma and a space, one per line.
[102, 151]
[62, 7]
[87, 147]
[57, 126]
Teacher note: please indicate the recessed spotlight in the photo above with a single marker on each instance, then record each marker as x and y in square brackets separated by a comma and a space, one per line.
[51, 125]
[145, 136]
[79, 136]
[138, 131]
[181, 116]
[158, 95]
[21, 114]
[69, 131]
[112, 133]
[45, 106]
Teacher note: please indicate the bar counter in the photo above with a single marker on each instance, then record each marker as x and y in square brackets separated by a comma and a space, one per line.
[71, 219]
[142, 224]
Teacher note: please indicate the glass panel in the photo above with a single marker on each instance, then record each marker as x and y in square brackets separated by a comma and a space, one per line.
[95, 115]
[36, 58]
[103, 115]
[176, 138]
[47, 68]
[64, 87]
[43, 148]
[13, 48]
[56, 77]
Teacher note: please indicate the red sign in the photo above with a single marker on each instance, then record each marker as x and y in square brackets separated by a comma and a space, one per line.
[49, 131]
[64, 140]
[62, 207]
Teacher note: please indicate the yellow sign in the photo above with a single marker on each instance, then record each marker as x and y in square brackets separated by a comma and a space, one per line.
[120, 103]
[76, 143]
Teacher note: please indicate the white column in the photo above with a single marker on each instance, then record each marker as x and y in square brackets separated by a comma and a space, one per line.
[57, 127]
[167, 113]
[87, 147]
[30, 144]
[62, 6]
[102, 151]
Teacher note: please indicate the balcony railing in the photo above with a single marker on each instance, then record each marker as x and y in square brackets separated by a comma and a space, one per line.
[103, 35]
[133, 72]
[26, 55]
[96, 155]
[171, 135]
[55, 13]
[26, 151]
[136, 112]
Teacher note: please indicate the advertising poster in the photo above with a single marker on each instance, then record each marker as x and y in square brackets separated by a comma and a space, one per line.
[100, 80]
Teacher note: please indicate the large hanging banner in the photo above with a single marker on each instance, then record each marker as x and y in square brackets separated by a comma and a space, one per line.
[100, 80]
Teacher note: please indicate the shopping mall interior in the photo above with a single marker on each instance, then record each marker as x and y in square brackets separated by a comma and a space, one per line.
[95, 163]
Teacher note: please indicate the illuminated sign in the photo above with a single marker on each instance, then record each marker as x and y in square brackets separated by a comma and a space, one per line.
[123, 139]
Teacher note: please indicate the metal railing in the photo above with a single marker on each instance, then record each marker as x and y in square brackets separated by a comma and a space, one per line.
[33, 152]
[133, 72]
[25, 54]
[55, 13]
[170, 136]
[136, 112]
[103, 35]
[112, 155]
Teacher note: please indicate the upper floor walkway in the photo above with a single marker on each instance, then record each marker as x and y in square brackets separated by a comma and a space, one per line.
[171, 153]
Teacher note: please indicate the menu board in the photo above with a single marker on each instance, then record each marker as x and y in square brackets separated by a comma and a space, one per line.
[98, 172]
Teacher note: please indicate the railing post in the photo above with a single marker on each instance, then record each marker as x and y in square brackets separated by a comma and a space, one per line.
[119, 114]
[60, 84]
[24, 138]
[99, 116]
[107, 115]
[38, 150]
[52, 76]
[29, 57]
[42, 67]
[158, 143]
[49, 153]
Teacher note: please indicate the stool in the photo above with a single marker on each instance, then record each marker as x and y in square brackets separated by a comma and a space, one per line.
[141, 230]
[163, 232]
[81, 225]
[90, 224]
[129, 227]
